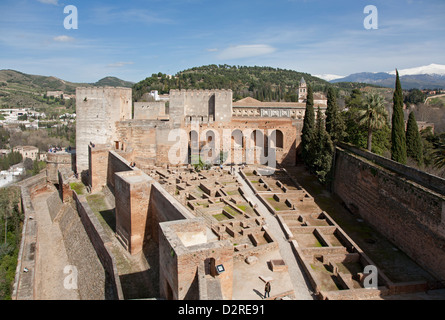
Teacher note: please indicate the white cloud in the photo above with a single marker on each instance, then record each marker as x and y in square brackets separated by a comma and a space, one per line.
[119, 64]
[212, 50]
[245, 51]
[63, 39]
[54, 2]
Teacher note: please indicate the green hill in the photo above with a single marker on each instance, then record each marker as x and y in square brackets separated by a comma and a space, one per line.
[113, 82]
[20, 90]
[16, 80]
[262, 83]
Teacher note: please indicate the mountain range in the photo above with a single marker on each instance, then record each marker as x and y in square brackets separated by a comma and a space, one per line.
[425, 77]
[32, 83]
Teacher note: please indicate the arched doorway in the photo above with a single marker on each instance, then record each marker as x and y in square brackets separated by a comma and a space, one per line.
[237, 146]
[193, 147]
[277, 138]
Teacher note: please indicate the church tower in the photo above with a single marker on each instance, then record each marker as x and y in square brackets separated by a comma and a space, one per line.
[302, 91]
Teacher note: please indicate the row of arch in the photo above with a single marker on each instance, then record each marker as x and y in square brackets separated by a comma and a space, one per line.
[239, 139]
[250, 146]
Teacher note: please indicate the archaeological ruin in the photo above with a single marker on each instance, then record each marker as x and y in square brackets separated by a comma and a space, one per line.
[201, 198]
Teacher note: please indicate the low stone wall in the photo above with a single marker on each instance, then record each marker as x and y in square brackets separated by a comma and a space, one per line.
[54, 204]
[23, 287]
[163, 207]
[57, 161]
[101, 244]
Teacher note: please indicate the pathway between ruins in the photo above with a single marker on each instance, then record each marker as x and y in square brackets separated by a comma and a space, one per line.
[302, 292]
[51, 258]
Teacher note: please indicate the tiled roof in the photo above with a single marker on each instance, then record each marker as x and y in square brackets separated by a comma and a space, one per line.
[251, 102]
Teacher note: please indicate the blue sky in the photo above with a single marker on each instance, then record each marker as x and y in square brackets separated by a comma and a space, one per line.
[133, 39]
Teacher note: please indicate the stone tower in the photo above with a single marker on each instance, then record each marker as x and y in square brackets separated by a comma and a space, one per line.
[97, 111]
[302, 91]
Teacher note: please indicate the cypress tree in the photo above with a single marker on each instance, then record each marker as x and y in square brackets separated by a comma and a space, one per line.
[398, 138]
[335, 125]
[307, 133]
[414, 147]
[323, 149]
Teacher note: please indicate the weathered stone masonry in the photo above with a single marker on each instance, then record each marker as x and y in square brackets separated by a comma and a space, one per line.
[408, 213]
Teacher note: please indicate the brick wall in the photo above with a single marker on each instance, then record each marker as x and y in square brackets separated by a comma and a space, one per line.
[163, 207]
[179, 277]
[132, 194]
[407, 213]
[116, 163]
[98, 166]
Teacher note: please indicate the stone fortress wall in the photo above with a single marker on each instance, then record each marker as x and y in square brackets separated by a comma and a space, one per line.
[146, 137]
[146, 143]
[206, 105]
[152, 110]
[405, 205]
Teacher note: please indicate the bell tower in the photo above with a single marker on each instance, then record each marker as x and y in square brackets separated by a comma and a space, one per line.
[302, 91]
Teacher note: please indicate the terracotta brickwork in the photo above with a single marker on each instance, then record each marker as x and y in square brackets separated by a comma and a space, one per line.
[181, 256]
[132, 195]
[410, 215]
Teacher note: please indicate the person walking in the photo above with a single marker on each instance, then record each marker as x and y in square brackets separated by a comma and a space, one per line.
[267, 290]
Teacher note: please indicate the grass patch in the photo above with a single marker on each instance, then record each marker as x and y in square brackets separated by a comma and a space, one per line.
[203, 204]
[278, 206]
[317, 244]
[105, 214]
[97, 202]
[220, 217]
[79, 187]
[242, 207]
[230, 210]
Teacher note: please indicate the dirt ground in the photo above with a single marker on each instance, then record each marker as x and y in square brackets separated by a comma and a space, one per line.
[247, 284]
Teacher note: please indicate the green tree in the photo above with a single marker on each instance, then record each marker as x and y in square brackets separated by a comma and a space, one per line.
[429, 140]
[307, 133]
[415, 96]
[11, 220]
[323, 149]
[439, 154]
[414, 147]
[398, 137]
[335, 125]
[372, 115]
[355, 99]
[28, 164]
